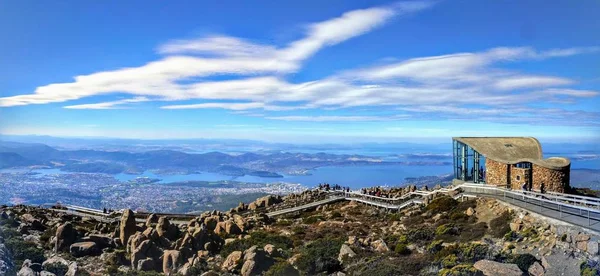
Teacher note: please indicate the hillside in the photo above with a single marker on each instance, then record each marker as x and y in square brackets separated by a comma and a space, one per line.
[445, 237]
[271, 164]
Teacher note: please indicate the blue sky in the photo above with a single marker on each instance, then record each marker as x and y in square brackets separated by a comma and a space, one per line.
[301, 71]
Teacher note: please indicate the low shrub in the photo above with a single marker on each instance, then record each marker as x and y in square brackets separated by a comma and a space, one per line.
[320, 256]
[435, 246]
[283, 222]
[589, 268]
[459, 270]
[281, 268]
[501, 225]
[383, 265]
[402, 249]
[312, 219]
[442, 204]
[260, 239]
[22, 251]
[523, 261]
[446, 229]
[59, 269]
[336, 214]
[420, 235]
[449, 261]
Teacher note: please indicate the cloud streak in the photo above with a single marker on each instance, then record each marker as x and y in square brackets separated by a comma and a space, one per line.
[241, 75]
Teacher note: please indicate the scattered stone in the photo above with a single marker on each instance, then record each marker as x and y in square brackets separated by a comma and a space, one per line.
[536, 269]
[380, 246]
[345, 253]
[491, 268]
[470, 212]
[592, 248]
[82, 249]
[233, 261]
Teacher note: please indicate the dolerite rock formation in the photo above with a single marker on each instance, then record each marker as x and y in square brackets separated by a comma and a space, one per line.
[65, 236]
[127, 226]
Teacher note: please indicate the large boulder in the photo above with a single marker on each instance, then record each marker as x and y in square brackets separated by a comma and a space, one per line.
[172, 261]
[101, 241]
[127, 225]
[228, 227]
[54, 260]
[146, 249]
[345, 253]
[82, 249]
[536, 269]
[233, 261]
[491, 268]
[145, 264]
[151, 220]
[167, 230]
[26, 269]
[380, 246]
[65, 236]
[256, 261]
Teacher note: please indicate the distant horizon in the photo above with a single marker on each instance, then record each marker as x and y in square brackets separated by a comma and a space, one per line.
[399, 140]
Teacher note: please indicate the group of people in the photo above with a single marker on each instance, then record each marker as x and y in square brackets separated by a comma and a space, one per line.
[107, 211]
[376, 191]
[527, 188]
[334, 187]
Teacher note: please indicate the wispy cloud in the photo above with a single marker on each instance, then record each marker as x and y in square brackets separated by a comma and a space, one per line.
[338, 118]
[109, 105]
[219, 55]
[252, 78]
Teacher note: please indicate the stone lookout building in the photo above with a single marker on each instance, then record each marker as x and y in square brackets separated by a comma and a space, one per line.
[512, 162]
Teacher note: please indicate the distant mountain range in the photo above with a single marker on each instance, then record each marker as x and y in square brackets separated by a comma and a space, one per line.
[14, 154]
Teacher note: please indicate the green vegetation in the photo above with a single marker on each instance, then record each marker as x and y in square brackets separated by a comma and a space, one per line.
[523, 261]
[313, 219]
[441, 204]
[260, 239]
[402, 249]
[20, 249]
[58, 269]
[320, 256]
[589, 268]
[138, 273]
[446, 229]
[501, 225]
[281, 268]
[385, 266]
[459, 270]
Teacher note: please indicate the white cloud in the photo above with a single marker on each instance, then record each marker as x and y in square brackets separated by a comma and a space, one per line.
[108, 105]
[517, 82]
[226, 56]
[249, 77]
[338, 118]
[230, 106]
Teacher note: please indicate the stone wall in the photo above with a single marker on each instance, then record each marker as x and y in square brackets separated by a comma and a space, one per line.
[496, 172]
[518, 176]
[554, 180]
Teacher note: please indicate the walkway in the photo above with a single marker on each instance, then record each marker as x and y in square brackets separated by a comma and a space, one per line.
[577, 210]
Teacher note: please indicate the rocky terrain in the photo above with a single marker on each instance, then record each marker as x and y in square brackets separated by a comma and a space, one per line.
[445, 237]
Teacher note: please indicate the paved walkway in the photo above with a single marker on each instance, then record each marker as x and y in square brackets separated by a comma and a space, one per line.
[576, 210]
